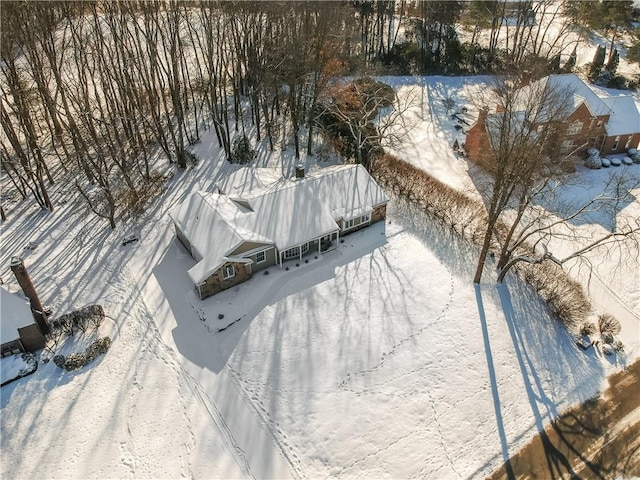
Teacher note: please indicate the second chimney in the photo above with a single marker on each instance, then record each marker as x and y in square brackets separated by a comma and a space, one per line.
[299, 170]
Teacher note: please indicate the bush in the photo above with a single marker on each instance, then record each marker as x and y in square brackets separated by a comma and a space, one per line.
[74, 362]
[78, 360]
[588, 328]
[607, 338]
[618, 346]
[607, 349]
[59, 360]
[79, 319]
[241, 151]
[607, 323]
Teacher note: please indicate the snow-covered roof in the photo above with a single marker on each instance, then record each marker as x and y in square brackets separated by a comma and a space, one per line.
[348, 191]
[578, 92]
[260, 206]
[203, 217]
[625, 118]
[14, 313]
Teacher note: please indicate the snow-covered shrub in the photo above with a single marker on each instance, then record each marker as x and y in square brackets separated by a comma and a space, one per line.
[618, 346]
[607, 338]
[588, 329]
[78, 360]
[74, 362]
[241, 151]
[80, 319]
[59, 360]
[99, 347]
[607, 323]
[594, 162]
[607, 349]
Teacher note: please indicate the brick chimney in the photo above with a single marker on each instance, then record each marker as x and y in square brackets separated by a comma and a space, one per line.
[299, 170]
[37, 310]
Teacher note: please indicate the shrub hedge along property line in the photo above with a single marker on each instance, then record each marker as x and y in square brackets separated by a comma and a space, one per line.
[564, 296]
[79, 319]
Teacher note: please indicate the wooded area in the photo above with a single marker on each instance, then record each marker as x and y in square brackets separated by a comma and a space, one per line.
[100, 88]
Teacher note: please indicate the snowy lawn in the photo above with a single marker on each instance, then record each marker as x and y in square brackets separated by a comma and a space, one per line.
[378, 359]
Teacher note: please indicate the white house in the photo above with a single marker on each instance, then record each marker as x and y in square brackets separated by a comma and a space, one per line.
[256, 218]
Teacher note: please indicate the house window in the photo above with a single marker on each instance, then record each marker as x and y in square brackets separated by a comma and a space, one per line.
[628, 144]
[260, 258]
[616, 141]
[295, 251]
[574, 128]
[228, 272]
[354, 222]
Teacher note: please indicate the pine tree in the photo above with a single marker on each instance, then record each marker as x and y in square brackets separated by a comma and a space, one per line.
[598, 63]
[614, 60]
[571, 62]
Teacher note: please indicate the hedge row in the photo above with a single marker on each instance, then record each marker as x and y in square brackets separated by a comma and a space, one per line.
[468, 217]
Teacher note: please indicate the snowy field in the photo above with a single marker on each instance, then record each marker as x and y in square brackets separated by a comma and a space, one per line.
[379, 359]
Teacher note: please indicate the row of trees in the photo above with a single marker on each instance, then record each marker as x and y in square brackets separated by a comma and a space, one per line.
[99, 88]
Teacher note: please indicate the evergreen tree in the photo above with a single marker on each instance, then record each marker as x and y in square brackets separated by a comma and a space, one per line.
[598, 63]
[571, 62]
[614, 60]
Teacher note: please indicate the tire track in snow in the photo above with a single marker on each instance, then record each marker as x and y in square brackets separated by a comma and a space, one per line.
[269, 424]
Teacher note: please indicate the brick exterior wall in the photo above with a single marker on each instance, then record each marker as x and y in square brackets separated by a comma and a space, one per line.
[609, 143]
[10, 348]
[379, 213]
[216, 282]
[591, 131]
[477, 144]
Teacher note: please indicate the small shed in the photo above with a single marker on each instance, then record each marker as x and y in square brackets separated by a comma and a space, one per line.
[18, 329]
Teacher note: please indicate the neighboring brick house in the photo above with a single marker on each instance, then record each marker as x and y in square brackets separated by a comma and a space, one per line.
[256, 218]
[19, 331]
[596, 119]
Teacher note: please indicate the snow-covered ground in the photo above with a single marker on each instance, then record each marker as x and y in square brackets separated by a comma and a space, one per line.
[378, 359]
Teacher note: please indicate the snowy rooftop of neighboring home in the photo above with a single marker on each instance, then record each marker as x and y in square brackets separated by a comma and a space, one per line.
[579, 92]
[14, 313]
[625, 118]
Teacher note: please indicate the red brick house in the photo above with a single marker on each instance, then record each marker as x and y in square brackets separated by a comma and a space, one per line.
[596, 119]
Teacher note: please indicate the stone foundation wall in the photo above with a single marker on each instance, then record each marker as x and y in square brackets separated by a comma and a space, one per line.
[216, 282]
